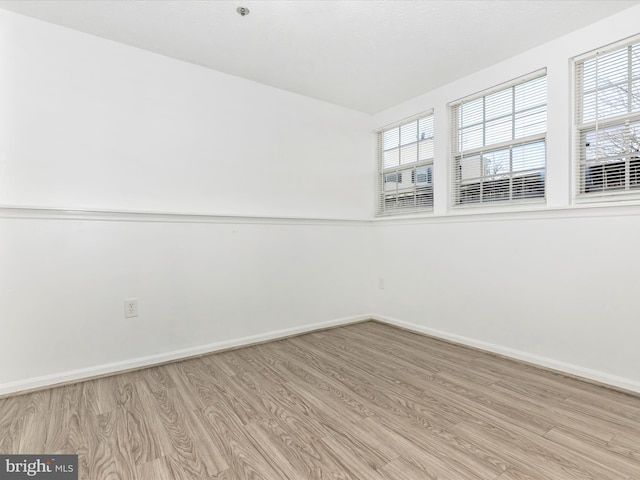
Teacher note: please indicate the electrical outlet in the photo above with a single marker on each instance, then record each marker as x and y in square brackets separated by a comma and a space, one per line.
[381, 283]
[131, 308]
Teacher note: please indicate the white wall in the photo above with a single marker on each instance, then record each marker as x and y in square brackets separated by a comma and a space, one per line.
[558, 290]
[556, 287]
[200, 287]
[90, 124]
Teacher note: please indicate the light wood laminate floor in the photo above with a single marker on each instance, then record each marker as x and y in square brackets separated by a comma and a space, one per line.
[366, 401]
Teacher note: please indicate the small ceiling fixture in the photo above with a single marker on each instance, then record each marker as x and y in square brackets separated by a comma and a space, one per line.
[244, 11]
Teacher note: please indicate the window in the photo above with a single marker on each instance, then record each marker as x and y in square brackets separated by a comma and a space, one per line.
[421, 175]
[405, 159]
[393, 177]
[608, 122]
[499, 144]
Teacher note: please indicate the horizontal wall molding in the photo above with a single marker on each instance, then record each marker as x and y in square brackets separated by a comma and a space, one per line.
[569, 369]
[467, 216]
[73, 376]
[42, 213]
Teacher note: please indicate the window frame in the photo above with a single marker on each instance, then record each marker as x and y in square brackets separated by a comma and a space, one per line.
[591, 176]
[410, 196]
[485, 188]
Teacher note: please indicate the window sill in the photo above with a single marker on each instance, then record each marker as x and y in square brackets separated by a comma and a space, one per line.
[405, 213]
[608, 198]
[539, 211]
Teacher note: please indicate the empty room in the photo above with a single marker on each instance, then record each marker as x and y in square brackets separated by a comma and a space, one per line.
[378, 240]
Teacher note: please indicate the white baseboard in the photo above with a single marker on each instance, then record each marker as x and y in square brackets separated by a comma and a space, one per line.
[562, 367]
[72, 376]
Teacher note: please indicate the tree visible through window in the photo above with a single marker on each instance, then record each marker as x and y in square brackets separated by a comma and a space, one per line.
[608, 121]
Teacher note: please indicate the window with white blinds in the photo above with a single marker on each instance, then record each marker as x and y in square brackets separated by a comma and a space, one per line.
[607, 86]
[405, 171]
[498, 144]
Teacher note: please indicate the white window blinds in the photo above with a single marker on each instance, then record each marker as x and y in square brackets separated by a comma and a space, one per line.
[405, 166]
[607, 86]
[498, 144]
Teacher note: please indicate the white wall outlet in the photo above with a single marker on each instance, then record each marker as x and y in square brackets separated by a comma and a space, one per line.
[131, 308]
[381, 283]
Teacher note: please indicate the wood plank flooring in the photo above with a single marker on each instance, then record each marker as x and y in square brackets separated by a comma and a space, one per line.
[366, 401]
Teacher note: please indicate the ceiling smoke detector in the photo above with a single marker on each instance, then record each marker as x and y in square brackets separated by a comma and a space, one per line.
[243, 11]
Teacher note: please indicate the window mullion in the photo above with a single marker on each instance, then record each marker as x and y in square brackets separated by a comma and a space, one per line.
[629, 80]
[484, 121]
[505, 144]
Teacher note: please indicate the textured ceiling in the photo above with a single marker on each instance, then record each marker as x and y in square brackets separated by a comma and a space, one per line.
[365, 55]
